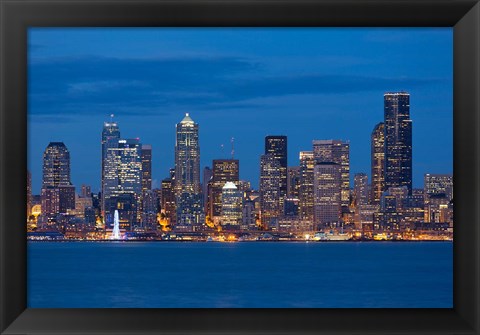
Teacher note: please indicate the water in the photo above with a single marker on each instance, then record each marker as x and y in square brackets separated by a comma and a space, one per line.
[275, 274]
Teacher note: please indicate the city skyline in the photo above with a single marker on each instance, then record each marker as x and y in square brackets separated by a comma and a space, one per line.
[319, 113]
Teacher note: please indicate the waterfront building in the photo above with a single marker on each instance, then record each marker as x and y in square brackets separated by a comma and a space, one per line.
[232, 206]
[338, 152]
[123, 175]
[187, 187]
[146, 157]
[327, 194]
[360, 189]
[270, 181]
[276, 145]
[293, 181]
[224, 170]
[306, 197]
[398, 140]
[364, 217]
[110, 133]
[378, 162]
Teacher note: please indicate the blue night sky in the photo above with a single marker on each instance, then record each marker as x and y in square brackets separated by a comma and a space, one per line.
[246, 83]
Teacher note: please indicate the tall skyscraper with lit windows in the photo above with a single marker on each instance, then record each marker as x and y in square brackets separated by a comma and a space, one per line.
[276, 145]
[378, 162]
[57, 194]
[223, 171]
[110, 131]
[398, 140]
[270, 181]
[189, 203]
[327, 193]
[336, 151]
[56, 165]
[123, 181]
[307, 165]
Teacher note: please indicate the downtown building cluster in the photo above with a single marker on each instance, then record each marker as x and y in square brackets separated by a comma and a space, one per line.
[313, 196]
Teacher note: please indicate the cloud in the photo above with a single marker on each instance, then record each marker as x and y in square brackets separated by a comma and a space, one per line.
[91, 85]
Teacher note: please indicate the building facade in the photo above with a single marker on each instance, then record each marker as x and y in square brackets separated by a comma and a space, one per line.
[378, 162]
[336, 151]
[398, 140]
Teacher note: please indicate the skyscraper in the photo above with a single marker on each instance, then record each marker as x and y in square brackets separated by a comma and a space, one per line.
[398, 140]
[336, 151]
[269, 190]
[58, 195]
[232, 205]
[224, 170]
[187, 157]
[110, 131]
[360, 189]
[277, 147]
[146, 153]
[123, 175]
[307, 165]
[327, 190]
[56, 165]
[378, 162]
[189, 201]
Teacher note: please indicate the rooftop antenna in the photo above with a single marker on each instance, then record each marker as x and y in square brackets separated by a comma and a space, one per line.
[233, 147]
[222, 148]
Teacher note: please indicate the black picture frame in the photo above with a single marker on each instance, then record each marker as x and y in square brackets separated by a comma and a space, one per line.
[18, 15]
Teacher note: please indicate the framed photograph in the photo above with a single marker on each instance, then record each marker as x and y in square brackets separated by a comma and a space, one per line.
[239, 167]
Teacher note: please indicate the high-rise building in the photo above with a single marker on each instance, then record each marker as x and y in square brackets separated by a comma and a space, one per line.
[269, 190]
[293, 181]
[123, 175]
[56, 165]
[378, 162]
[438, 184]
[223, 171]
[327, 192]
[232, 205]
[189, 208]
[276, 145]
[360, 189]
[306, 196]
[58, 195]
[146, 155]
[187, 157]
[167, 201]
[336, 151]
[110, 132]
[398, 140]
